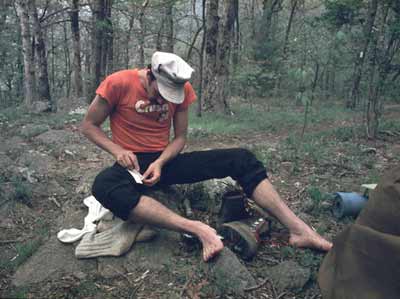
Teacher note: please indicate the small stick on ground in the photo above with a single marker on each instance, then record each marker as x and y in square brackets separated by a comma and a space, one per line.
[122, 274]
[4, 242]
[55, 202]
[186, 285]
[273, 289]
[257, 286]
[281, 295]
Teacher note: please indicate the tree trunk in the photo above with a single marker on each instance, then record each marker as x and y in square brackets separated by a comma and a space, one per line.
[100, 42]
[169, 27]
[358, 65]
[19, 87]
[385, 47]
[76, 45]
[289, 28]
[263, 32]
[108, 46]
[286, 43]
[210, 85]
[224, 51]
[53, 63]
[253, 29]
[315, 81]
[159, 39]
[218, 48]
[97, 42]
[141, 33]
[203, 46]
[127, 42]
[67, 60]
[236, 45]
[43, 84]
[29, 70]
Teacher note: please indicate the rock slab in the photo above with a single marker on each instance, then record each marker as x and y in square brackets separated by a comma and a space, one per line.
[289, 275]
[229, 274]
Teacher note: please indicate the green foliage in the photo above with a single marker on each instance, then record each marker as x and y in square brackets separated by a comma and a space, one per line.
[342, 12]
[19, 293]
[340, 36]
[11, 66]
[344, 133]
[254, 117]
[317, 198]
[268, 156]
[288, 252]
[23, 191]
[302, 75]
[252, 80]
[85, 289]
[309, 259]
[394, 26]
[390, 125]
[315, 194]
[25, 251]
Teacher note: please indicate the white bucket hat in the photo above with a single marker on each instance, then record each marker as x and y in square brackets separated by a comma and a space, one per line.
[171, 73]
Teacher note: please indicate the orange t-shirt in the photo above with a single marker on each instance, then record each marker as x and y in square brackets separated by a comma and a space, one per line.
[136, 124]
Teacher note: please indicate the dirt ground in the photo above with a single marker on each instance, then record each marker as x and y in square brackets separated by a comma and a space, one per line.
[43, 175]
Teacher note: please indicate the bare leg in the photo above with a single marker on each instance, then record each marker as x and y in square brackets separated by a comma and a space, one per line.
[152, 212]
[301, 235]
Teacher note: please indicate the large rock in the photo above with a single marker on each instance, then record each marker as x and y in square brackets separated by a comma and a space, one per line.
[71, 103]
[32, 130]
[6, 165]
[156, 255]
[40, 107]
[84, 186]
[215, 188]
[229, 274]
[36, 166]
[159, 254]
[207, 195]
[53, 138]
[289, 275]
[53, 260]
[51, 188]
[13, 147]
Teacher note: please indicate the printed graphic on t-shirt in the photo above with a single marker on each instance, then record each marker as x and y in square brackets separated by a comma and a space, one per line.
[155, 111]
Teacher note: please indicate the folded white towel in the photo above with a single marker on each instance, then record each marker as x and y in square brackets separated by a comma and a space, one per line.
[96, 212]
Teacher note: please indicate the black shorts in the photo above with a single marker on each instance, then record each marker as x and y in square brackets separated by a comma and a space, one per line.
[117, 191]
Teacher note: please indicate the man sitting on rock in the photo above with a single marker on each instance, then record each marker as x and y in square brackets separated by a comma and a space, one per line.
[142, 104]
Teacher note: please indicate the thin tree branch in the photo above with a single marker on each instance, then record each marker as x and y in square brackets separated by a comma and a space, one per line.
[189, 54]
[54, 13]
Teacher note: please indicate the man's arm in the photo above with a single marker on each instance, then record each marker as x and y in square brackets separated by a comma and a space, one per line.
[153, 173]
[97, 113]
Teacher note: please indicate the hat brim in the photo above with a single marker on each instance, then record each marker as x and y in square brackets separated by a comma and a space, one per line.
[172, 92]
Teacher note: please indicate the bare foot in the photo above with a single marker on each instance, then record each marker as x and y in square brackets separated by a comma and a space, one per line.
[308, 238]
[212, 244]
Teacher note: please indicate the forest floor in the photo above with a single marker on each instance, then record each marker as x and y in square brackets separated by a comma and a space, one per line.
[46, 169]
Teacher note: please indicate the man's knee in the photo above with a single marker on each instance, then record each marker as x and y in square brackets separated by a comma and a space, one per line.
[244, 160]
[249, 171]
[244, 154]
[101, 181]
[116, 191]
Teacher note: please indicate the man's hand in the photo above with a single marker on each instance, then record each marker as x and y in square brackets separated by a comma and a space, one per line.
[127, 159]
[152, 174]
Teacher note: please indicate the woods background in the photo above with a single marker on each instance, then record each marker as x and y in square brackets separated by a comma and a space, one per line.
[302, 51]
